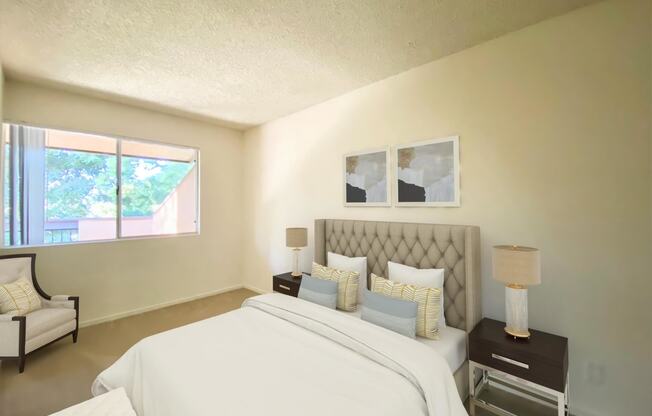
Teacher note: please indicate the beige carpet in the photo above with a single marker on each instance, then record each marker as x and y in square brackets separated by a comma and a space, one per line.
[61, 374]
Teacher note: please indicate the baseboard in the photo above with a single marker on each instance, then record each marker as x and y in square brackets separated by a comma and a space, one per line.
[144, 309]
[255, 289]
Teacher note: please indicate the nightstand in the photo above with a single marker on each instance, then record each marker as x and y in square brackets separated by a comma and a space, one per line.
[500, 366]
[286, 284]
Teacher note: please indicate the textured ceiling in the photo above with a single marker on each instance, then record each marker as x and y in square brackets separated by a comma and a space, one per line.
[243, 62]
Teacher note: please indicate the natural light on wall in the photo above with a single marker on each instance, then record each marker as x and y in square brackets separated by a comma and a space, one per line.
[63, 187]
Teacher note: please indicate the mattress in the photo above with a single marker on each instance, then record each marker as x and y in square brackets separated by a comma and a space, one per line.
[232, 361]
[451, 343]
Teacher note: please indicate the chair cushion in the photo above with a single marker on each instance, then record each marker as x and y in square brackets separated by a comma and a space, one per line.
[13, 269]
[18, 297]
[45, 319]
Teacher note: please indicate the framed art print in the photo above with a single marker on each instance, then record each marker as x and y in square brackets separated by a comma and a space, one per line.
[428, 173]
[366, 178]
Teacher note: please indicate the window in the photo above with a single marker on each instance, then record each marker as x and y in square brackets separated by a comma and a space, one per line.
[159, 189]
[63, 187]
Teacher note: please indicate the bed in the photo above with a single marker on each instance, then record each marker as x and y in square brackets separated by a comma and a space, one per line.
[455, 248]
[282, 355]
[451, 345]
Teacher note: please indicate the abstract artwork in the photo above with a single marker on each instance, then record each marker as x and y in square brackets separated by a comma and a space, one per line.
[366, 178]
[428, 173]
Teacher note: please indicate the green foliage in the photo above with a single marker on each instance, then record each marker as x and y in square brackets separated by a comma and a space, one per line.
[83, 185]
[147, 182]
[80, 184]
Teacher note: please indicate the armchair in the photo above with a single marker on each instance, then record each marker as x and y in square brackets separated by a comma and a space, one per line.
[23, 334]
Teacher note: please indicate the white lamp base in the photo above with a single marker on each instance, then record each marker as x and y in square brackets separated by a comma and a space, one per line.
[516, 311]
[295, 263]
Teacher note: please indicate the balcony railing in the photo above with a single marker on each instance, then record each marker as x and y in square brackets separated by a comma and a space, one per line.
[61, 231]
[92, 229]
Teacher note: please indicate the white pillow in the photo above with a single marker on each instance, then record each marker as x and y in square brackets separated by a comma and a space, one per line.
[421, 278]
[350, 264]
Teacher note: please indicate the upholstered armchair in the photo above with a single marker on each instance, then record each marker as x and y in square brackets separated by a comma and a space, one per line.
[23, 334]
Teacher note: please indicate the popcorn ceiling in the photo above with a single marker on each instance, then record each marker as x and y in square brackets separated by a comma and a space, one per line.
[244, 62]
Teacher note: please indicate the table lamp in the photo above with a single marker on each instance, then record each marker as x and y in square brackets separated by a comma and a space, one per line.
[518, 267]
[296, 238]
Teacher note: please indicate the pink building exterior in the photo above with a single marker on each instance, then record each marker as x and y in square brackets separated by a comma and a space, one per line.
[176, 215]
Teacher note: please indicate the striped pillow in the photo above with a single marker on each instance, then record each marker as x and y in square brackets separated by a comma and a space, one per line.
[428, 300]
[19, 297]
[347, 285]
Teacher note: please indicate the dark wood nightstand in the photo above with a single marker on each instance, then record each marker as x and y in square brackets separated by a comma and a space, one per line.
[286, 284]
[535, 368]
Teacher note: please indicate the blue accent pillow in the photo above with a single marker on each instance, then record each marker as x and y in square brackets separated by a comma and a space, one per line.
[320, 291]
[398, 315]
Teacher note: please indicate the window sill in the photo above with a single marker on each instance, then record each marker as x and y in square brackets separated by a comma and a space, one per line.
[114, 240]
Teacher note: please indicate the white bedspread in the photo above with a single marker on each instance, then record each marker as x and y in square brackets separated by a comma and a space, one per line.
[278, 355]
[113, 403]
[451, 343]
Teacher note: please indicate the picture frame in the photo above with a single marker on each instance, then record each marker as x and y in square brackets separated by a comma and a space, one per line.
[366, 178]
[427, 173]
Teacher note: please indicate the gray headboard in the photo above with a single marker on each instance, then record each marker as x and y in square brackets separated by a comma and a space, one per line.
[455, 248]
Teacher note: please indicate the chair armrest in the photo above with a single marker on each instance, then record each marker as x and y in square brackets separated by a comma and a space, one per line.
[12, 335]
[7, 317]
[65, 301]
[60, 301]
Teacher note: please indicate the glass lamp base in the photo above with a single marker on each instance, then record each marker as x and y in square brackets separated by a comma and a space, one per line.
[295, 263]
[516, 311]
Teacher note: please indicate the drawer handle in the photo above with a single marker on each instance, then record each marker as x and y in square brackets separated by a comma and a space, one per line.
[284, 287]
[510, 361]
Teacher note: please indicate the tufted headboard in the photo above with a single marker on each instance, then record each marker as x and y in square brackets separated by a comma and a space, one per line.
[455, 248]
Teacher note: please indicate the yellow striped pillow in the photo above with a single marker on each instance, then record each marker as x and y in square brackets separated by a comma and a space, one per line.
[428, 301]
[18, 296]
[347, 285]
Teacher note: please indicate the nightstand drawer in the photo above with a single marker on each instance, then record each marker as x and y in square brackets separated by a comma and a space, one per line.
[521, 365]
[286, 287]
[536, 367]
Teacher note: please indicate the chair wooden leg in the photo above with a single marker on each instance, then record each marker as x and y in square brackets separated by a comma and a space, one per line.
[22, 330]
[74, 336]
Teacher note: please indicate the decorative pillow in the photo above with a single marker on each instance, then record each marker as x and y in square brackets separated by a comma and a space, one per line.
[18, 296]
[320, 291]
[428, 300]
[350, 264]
[347, 285]
[421, 278]
[395, 314]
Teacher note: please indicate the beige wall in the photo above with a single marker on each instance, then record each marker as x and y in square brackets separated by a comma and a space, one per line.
[117, 277]
[554, 125]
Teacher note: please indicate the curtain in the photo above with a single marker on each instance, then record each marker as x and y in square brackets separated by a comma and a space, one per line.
[26, 183]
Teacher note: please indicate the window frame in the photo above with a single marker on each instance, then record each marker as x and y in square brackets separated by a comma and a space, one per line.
[118, 154]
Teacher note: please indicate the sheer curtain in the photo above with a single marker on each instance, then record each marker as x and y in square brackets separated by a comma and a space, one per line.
[26, 185]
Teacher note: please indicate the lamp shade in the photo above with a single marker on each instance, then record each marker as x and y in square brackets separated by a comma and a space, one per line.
[517, 265]
[296, 237]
